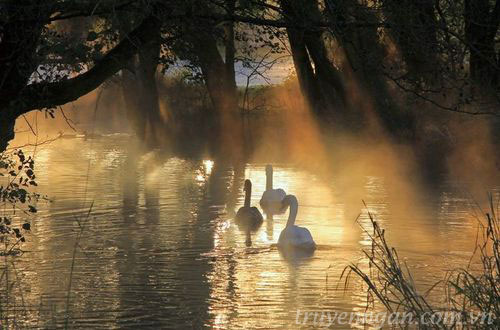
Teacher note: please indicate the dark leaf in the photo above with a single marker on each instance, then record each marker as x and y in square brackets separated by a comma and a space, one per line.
[92, 36]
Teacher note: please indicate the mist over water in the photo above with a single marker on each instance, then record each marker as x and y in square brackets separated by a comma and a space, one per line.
[162, 248]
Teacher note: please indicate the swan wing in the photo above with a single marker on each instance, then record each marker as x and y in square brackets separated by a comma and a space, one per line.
[281, 193]
[271, 200]
[304, 236]
[273, 195]
[256, 215]
[249, 217]
[241, 213]
[296, 237]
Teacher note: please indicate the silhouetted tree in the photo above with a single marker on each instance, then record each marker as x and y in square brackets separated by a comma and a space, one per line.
[444, 53]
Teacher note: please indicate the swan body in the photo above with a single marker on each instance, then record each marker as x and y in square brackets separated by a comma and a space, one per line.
[295, 237]
[271, 198]
[248, 217]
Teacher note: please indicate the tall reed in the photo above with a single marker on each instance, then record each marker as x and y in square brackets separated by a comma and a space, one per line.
[473, 296]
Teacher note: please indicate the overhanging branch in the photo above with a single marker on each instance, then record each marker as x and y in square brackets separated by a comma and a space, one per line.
[47, 95]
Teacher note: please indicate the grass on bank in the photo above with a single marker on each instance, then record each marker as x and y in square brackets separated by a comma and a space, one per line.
[468, 292]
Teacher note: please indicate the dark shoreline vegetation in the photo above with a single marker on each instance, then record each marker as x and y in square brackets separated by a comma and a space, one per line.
[356, 63]
[421, 77]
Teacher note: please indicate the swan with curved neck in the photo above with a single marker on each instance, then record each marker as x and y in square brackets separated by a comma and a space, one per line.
[271, 198]
[294, 236]
[248, 218]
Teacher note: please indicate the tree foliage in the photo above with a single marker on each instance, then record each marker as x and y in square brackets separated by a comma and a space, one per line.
[19, 204]
[444, 53]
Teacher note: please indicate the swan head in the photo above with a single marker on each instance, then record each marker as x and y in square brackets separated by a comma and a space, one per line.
[248, 185]
[289, 200]
[269, 169]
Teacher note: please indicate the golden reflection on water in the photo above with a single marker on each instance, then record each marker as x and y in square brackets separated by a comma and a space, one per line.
[162, 246]
[204, 171]
[208, 164]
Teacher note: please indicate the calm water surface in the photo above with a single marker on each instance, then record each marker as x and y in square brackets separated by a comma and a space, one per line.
[161, 249]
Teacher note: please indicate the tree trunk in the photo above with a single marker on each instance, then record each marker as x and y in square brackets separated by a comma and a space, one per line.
[230, 51]
[219, 76]
[141, 97]
[329, 78]
[304, 69]
[6, 131]
[220, 83]
[481, 27]
[365, 57]
[217, 70]
[415, 32]
[319, 80]
[140, 92]
[18, 41]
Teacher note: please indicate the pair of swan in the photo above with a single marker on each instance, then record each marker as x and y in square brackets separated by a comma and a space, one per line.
[273, 201]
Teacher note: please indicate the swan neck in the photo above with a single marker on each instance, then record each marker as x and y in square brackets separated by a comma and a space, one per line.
[293, 214]
[269, 180]
[248, 193]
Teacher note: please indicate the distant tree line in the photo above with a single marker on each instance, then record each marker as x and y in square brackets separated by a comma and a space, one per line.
[443, 53]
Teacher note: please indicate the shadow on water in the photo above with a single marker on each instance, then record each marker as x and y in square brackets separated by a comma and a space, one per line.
[135, 271]
[187, 296]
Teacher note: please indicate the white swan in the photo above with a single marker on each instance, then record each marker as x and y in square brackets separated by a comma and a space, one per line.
[249, 218]
[271, 198]
[294, 237]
